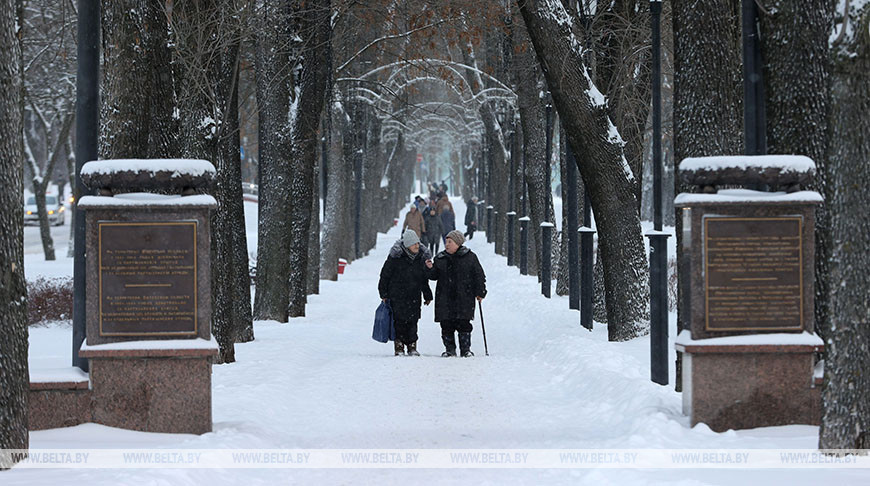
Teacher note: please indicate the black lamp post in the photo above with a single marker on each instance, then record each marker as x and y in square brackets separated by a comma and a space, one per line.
[87, 130]
[658, 256]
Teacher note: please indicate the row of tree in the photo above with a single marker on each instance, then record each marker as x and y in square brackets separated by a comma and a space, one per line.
[341, 110]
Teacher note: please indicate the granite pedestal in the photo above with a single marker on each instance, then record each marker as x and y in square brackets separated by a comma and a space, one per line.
[747, 276]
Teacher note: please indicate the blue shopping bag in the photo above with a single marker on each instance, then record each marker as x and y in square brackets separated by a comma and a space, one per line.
[384, 330]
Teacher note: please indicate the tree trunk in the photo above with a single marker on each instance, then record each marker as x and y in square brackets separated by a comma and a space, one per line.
[273, 98]
[336, 231]
[14, 375]
[794, 47]
[315, 32]
[209, 112]
[530, 85]
[846, 393]
[706, 60]
[137, 82]
[599, 153]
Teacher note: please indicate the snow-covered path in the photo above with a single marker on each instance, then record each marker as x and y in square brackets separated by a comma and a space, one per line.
[322, 382]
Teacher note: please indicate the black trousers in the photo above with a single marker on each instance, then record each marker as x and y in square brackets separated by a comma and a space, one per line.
[450, 326]
[406, 331]
[469, 230]
[434, 243]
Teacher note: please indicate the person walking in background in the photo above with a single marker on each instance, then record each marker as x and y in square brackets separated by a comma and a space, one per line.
[414, 221]
[402, 282]
[471, 218]
[461, 281]
[433, 228]
[448, 217]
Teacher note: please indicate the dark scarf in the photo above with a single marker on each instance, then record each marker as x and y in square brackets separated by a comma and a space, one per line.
[412, 256]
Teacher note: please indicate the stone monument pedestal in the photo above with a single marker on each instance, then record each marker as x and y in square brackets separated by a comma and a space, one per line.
[148, 268]
[737, 383]
[153, 386]
[747, 283]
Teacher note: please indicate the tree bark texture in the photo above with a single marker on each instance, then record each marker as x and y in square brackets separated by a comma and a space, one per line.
[137, 89]
[794, 47]
[846, 393]
[599, 153]
[14, 375]
[209, 112]
[274, 85]
[315, 32]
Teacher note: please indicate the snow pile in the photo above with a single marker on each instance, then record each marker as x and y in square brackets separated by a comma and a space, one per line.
[738, 196]
[785, 163]
[179, 167]
[146, 199]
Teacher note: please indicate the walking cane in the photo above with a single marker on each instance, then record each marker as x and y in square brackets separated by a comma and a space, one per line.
[483, 328]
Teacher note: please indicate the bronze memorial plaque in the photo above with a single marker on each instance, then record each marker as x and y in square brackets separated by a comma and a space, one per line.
[147, 278]
[753, 274]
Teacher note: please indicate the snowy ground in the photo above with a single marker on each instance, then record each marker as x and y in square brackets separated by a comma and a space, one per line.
[321, 382]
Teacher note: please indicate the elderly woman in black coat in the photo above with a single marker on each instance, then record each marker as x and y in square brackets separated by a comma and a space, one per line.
[402, 282]
[461, 281]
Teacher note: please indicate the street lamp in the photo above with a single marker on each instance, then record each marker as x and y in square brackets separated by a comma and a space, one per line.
[658, 252]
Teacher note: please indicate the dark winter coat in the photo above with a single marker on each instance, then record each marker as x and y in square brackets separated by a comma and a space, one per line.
[433, 225]
[448, 217]
[471, 214]
[460, 279]
[403, 281]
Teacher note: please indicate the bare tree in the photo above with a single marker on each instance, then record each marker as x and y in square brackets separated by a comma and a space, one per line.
[598, 149]
[14, 376]
[846, 394]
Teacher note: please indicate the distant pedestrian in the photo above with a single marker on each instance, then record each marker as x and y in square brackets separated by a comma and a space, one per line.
[414, 221]
[471, 218]
[402, 282]
[461, 281]
[433, 228]
[448, 217]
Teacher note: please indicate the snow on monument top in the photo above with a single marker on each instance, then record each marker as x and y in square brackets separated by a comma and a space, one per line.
[788, 171]
[163, 175]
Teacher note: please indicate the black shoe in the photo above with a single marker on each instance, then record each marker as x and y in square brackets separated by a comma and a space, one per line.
[412, 349]
[449, 346]
[398, 348]
[465, 344]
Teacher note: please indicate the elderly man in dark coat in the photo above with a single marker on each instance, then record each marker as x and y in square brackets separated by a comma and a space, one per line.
[403, 281]
[461, 281]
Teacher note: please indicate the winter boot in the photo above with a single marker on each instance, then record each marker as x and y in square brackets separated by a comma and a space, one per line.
[449, 345]
[399, 348]
[465, 344]
[412, 349]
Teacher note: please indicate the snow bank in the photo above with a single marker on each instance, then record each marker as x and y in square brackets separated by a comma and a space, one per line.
[786, 163]
[134, 199]
[747, 195]
[192, 167]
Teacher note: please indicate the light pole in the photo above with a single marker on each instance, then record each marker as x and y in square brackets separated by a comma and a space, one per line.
[658, 256]
[87, 129]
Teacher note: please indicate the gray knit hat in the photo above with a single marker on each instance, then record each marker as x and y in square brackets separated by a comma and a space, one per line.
[457, 237]
[410, 238]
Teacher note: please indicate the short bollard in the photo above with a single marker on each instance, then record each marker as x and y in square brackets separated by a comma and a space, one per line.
[489, 229]
[586, 282]
[546, 255]
[512, 231]
[524, 245]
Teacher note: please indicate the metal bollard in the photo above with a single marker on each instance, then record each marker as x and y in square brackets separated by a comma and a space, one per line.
[511, 230]
[546, 255]
[489, 228]
[586, 276]
[524, 245]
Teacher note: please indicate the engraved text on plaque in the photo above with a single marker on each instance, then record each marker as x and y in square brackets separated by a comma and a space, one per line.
[753, 273]
[147, 281]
